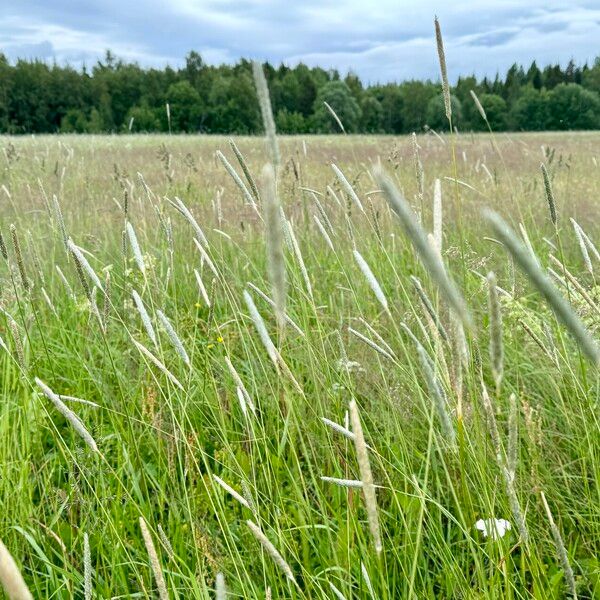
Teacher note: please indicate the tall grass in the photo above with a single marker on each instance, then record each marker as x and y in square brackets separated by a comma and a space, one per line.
[351, 456]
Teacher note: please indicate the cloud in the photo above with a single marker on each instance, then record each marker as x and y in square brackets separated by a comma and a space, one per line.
[381, 41]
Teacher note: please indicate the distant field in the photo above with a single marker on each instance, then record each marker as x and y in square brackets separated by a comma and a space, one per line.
[106, 297]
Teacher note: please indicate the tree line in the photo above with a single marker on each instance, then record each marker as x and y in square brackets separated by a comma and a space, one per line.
[117, 96]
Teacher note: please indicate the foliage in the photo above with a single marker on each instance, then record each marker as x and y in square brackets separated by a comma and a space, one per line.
[36, 97]
[166, 429]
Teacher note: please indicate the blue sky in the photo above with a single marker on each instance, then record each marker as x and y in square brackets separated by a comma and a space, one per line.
[383, 40]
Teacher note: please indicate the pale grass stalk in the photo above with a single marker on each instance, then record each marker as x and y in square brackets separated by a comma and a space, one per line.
[378, 337]
[247, 492]
[350, 230]
[231, 491]
[202, 288]
[561, 551]
[83, 263]
[175, 340]
[19, 255]
[245, 170]
[61, 223]
[107, 301]
[79, 401]
[371, 280]
[272, 304]
[16, 336]
[240, 384]
[158, 364]
[271, 550]
[507, 474]
[65, 282]
[64, 410]
[437, 215]
[540, 280]
[438, 396]
[332, 193]
[323, 214]
[242, 400]
[135, 247]
[298, 254]
[418, 168]
[238, 181]
[10, 577]
[591, 247]
[154, 562]
[366, 477]
[573, 280]
[480, 109]
[324, 233]
[492, 425]
[274, 242]
[513, 435]
[336, 592]
[539, 342]
[183, 209]
[347, 187]
[371, 344]
[549, 194]
[487, 172]
[48, 301]
[264, 101]
[348, 483]
[334, 115]
[435, 319]
[443, 70]
[261, 328]
[3, 249]
[87, 568]
[528, 243]
[367, 579]
[146, 321]
[53, 535]
[415, 341]
[496, 343]
[582, 246]
[220, 588]
[206, 258]
[429, 257]
[339, 428]
[165, 542]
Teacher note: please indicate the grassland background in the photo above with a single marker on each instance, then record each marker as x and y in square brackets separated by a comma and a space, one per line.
[160, 445]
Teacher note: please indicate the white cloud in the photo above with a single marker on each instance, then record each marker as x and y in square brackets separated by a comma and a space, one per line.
[381, 40]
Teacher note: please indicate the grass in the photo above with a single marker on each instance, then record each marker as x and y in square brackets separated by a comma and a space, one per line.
[170, 434]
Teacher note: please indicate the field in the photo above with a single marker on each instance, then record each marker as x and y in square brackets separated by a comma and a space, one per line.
[144, 375]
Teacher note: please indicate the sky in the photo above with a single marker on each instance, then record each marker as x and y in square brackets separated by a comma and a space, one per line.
[380, 40]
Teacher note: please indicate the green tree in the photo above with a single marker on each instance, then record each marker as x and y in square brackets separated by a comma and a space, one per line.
[290, 122]
[74, 121]
[392, 106]
[573, 107]
[371, 115]
[496, 112]
[591, 77]
[436, 112]
[184, 106]
[144, 119]
[337, 94]
[531, 112]
[233, 107]
[415, 99]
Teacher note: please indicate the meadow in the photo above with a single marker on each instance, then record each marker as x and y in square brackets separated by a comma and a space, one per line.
[228, 388]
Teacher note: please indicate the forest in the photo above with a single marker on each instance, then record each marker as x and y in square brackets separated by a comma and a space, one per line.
[115, 96]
